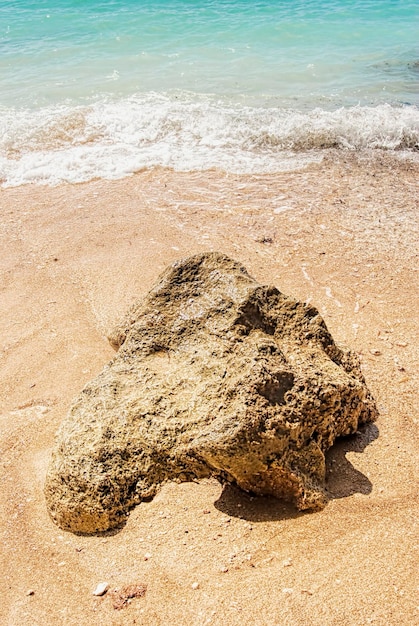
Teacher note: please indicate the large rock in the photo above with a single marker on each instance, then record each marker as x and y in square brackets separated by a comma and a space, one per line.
[215, 375]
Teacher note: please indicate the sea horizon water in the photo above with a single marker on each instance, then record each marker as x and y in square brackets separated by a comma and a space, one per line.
[92, 89]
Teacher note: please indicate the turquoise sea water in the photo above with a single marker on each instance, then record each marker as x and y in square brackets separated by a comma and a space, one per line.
[104, 88]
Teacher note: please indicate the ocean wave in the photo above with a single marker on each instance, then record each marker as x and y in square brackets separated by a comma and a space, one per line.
[112, 139]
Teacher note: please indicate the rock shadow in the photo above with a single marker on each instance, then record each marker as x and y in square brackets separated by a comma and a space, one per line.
[342, 478]
[235, 502]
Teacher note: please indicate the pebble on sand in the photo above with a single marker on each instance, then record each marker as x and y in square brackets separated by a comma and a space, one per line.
[101, 589]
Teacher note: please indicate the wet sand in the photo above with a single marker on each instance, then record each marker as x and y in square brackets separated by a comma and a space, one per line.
[342, 234]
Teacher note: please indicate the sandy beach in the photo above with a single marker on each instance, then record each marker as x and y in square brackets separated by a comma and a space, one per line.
[342, 234]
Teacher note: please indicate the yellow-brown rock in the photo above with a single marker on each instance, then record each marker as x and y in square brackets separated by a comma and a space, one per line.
[215, 375]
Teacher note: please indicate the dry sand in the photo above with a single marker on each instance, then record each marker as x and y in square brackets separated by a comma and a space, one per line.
[342, 234]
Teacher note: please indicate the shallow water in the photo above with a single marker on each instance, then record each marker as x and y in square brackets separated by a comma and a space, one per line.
[103, 89]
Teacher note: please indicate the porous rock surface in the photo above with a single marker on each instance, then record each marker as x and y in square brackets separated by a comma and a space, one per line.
[215, 375]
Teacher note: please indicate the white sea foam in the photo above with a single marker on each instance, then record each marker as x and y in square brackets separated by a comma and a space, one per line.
[112, 139]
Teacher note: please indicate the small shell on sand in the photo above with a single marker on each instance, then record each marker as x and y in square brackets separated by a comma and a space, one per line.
[101, 589]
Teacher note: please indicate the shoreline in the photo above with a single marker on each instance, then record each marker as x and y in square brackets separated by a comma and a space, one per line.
[112, 140]
[342, 234]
